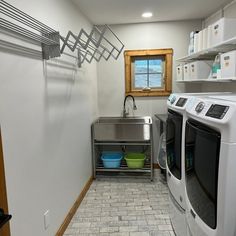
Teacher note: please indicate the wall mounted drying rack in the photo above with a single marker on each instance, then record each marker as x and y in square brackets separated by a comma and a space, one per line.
[101, 42]
[95, 45]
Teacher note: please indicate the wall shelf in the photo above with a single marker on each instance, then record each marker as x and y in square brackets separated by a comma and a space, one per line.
[222, 80]
[210, 53]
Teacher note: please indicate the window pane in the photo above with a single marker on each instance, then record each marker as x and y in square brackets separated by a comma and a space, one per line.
[155, 80]
[140, 81]
[140, 66]
[155, 66]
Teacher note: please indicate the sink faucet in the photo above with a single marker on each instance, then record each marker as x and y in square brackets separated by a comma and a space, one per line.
[126, 112]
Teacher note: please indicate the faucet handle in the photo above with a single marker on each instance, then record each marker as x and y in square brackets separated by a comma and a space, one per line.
[125, 113]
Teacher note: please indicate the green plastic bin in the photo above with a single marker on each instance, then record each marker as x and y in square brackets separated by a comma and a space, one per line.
[135, 160]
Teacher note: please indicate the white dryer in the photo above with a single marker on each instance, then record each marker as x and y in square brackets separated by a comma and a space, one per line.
[210, 157]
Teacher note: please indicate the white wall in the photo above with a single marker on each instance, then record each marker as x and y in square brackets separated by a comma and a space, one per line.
[111, 82]
[45, 115]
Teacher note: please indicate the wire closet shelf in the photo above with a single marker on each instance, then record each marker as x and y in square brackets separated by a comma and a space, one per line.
[101, 42]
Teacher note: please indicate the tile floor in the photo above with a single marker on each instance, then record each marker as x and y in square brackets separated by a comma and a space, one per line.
[124, 207]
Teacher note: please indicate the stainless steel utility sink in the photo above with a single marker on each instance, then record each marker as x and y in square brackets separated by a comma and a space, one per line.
[122, 129]
[126, 120]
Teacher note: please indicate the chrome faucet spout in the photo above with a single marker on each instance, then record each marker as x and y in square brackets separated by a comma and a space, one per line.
[125, 112]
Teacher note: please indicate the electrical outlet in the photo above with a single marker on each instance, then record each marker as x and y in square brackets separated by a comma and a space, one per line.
[46, 216]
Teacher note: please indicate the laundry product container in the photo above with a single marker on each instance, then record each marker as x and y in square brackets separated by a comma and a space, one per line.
[186, 72]
[200, 70]
[228, 64]
[179, 72]
[204, 38]
[200, 40]
[209, 35]
[222, 30]
[111, 159]
[135, 160]
[195, 42]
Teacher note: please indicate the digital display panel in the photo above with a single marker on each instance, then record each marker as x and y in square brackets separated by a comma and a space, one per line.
[217, 111]
[181, 102]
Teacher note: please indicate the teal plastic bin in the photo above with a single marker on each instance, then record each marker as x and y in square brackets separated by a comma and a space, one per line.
[111, 159]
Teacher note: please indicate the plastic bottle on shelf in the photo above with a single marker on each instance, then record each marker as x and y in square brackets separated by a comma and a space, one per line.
[216, 66]
[191, 43]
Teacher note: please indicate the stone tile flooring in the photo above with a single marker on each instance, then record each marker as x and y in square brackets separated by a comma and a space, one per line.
[124, 207]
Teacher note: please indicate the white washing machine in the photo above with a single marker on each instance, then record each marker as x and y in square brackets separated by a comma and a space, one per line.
[175, 148]
[210, 171]
[176, 104]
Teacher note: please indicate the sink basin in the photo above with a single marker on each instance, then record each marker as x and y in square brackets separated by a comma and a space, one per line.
[126, 120]
[122, 129]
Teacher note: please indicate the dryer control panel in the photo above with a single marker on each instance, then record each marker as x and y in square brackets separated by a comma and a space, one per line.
[200, 106]
[217, 111]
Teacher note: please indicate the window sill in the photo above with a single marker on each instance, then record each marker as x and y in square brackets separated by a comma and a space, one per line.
[148, 93]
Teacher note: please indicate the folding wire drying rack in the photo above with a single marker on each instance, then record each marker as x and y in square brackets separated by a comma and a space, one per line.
[101, 42]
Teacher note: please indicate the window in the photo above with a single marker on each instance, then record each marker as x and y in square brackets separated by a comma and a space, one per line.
[148, 72]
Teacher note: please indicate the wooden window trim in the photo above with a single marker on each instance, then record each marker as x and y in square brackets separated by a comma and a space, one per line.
[167, 53]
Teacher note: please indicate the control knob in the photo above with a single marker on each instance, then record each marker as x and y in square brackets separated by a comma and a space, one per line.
[199, 107]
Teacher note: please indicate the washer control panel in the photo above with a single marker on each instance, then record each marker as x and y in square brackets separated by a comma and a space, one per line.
[200, 106]
[172, 99]
[181, 102]
[217, 111]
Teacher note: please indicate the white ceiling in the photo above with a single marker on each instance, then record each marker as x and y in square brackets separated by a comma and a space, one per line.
[129, 11]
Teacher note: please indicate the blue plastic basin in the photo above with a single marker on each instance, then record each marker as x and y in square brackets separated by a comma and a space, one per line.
[112, 159]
